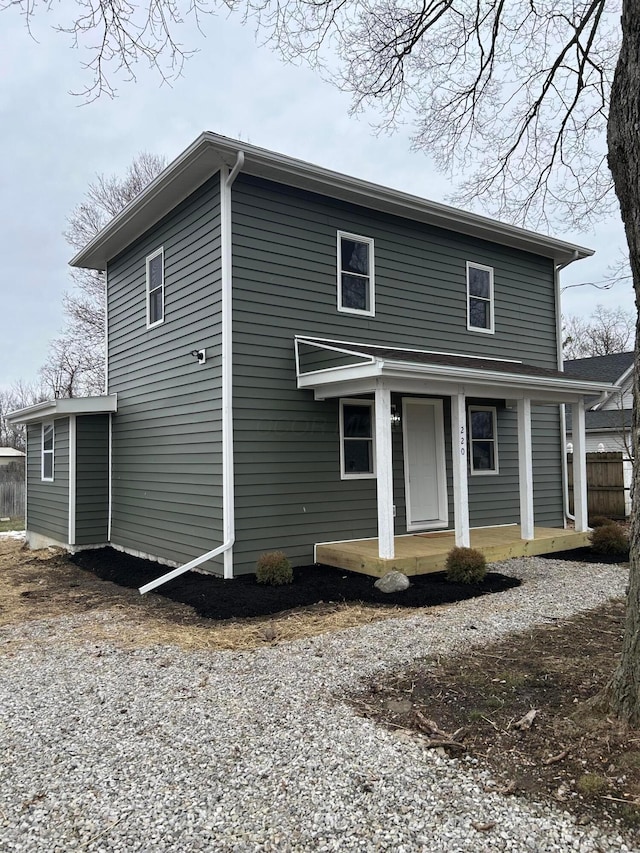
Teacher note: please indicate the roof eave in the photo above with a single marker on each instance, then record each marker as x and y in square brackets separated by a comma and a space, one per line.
[103, 405]
[507, 384]
[204, 157]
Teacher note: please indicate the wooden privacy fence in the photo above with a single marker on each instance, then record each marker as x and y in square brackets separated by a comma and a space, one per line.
[608, 484]
[12, 497]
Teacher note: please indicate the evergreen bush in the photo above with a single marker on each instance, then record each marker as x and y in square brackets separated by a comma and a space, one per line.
[610, 540]
[274, 568]
[466, 565]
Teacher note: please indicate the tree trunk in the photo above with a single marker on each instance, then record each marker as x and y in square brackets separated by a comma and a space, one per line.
[624, 162]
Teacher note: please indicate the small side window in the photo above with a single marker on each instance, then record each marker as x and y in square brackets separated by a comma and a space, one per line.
[47, 452]
[155, 288]
[479, 298]
[355, 274]
[483, 434]
[357, 452]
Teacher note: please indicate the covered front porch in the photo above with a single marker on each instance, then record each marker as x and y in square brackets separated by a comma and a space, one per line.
[437, 481]
[423, 553]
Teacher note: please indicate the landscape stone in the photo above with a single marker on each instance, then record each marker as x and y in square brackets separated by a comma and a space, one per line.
[392, 582]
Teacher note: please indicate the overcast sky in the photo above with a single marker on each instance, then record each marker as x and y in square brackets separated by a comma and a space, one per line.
[53, 146]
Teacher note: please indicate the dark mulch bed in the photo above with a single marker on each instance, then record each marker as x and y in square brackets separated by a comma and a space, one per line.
[585, 555]
[215, 598]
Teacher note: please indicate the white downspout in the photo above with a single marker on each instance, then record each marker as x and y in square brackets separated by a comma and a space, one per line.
[563, 415]
[228, 499]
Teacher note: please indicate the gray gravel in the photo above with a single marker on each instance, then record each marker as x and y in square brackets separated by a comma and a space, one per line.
[161, 749]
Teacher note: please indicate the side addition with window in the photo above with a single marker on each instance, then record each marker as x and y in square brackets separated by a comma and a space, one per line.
[47, 452]
[356, 439]
[480, 298]
[483, 434]
[155, 288]
[356, 286]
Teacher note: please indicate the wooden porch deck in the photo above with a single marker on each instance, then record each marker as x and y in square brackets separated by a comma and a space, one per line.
[421, 553]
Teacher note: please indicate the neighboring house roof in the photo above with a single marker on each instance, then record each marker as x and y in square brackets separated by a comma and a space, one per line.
[10, 452]
[437, 367]
[609, 419]
[615, 368]
[608, 368]
[209, 152]
[65, 407]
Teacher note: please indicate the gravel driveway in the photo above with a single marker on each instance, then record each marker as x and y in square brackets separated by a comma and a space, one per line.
[161, 749]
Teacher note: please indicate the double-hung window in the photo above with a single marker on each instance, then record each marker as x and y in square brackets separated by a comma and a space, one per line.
[483, 434]
[155, 288]
[47, 452]
[479, 298]
[356, 439]
[355, 274]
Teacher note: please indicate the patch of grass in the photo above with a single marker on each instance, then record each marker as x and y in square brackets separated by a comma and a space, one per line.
[592, 785]
[15, 523]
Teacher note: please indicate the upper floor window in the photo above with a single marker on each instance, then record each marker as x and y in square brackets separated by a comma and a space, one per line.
[47, 452]
[484, 439]
[356, 439]
[479, 298]
[355, 274]
[155, 288]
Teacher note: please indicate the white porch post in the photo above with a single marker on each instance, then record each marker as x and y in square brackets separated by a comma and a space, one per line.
[525, 469]
[579, 467]
[384, 473]
[460, 481]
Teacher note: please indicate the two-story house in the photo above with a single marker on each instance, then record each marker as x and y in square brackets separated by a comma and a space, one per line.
[305, 361]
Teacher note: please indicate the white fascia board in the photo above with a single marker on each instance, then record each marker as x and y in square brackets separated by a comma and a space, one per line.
[345, 373]
[495, 378]
[61, 408]
[333, 381]
[204, 157]
[197, 163]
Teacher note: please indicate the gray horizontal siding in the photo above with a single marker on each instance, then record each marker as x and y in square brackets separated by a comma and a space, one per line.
[548, 447]
[285, 263]
[48, 502]
[167, 450]
[288, 489]
[92, 479]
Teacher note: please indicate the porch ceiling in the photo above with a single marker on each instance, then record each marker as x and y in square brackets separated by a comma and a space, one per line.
[423, 553]
[422, 371]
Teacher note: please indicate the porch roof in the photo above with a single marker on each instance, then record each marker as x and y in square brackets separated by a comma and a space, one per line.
[364, 367]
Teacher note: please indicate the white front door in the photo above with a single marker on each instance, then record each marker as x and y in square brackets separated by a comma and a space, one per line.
[424, 464]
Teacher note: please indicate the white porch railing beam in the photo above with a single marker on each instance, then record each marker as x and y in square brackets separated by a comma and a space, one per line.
[525, 469]
[384, 473]
[579, 467]
[460, 479]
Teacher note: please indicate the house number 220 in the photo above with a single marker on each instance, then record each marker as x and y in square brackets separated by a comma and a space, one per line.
[463, 442]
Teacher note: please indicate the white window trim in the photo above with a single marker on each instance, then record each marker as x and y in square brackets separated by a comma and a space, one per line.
[52, 452]
[491, 330]
[345, 475]
[484, 472]
[148, 260]
[372, 284]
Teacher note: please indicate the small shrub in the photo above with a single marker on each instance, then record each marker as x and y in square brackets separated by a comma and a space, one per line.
[592, 785]
[466, 565]
[274, 568]
[600, 521]
[610, 540]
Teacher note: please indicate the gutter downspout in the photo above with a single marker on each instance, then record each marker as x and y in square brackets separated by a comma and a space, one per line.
[563, 415]
[228, 499]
